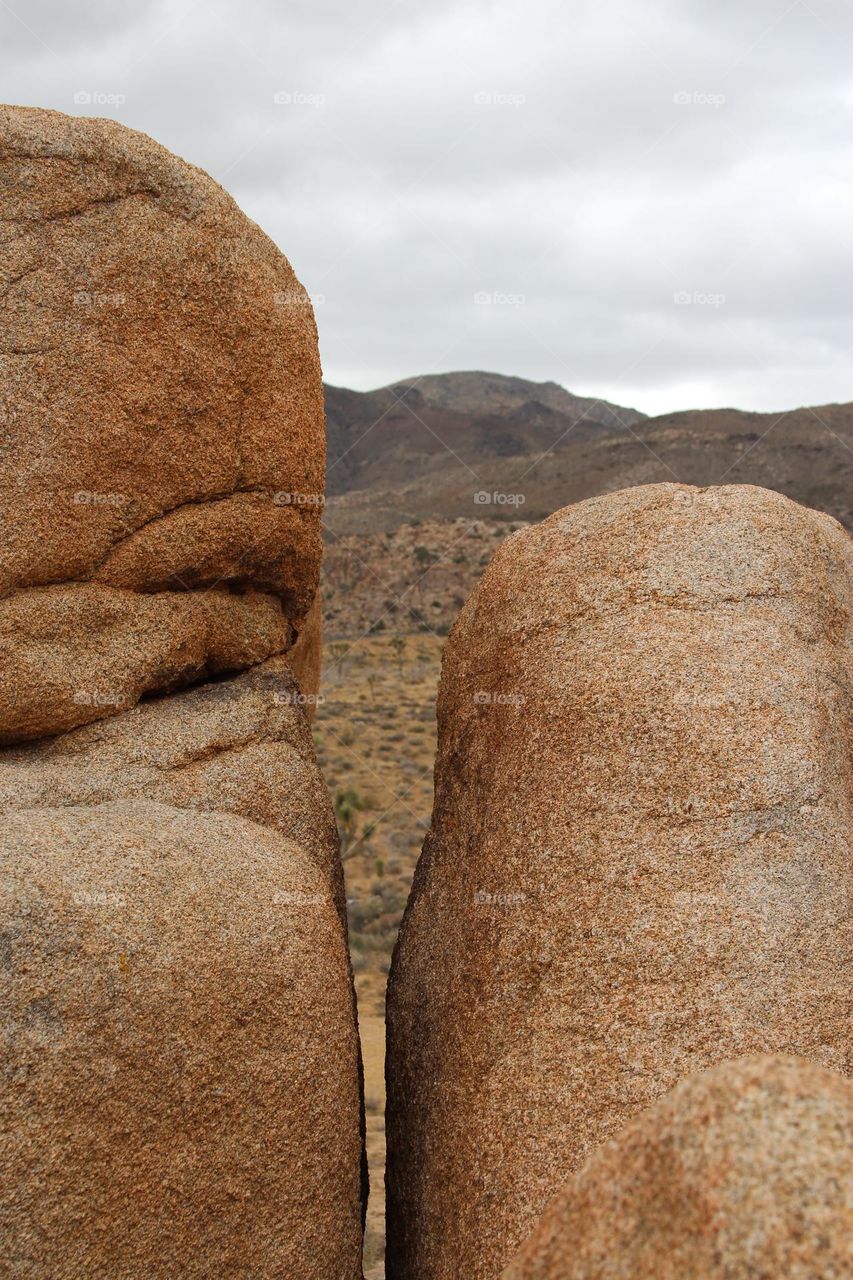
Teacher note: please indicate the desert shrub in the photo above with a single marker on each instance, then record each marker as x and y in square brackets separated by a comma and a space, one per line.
[354, 832]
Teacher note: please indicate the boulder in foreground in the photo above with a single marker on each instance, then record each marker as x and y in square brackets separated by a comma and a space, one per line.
[639, 859]
[181, 1095]
[743, 1171]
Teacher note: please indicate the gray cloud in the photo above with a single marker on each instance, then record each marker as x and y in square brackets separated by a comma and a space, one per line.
[646, 201]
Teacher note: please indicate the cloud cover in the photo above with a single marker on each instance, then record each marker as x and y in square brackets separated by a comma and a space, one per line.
[646, 201]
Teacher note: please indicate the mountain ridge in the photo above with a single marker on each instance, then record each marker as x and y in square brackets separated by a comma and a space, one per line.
[429, 448]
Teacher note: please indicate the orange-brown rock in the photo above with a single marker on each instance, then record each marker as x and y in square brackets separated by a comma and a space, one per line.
[741, 1172]
[180, 1092]
[163, 440]
[639, 860]
[71, 655]
[241, 746]
[306, 657]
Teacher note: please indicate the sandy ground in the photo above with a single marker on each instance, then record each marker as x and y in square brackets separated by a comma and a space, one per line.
[373, 1047]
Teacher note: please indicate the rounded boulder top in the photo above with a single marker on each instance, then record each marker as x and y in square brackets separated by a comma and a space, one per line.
[162, 406]
[745, 1170]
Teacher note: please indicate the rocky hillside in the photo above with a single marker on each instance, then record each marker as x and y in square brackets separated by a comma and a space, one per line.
[421, 489]
[430, 456]
[480, 393]
[385, 438]
[414, 578]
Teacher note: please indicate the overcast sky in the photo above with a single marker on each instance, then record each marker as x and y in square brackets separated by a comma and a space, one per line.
[647, 200]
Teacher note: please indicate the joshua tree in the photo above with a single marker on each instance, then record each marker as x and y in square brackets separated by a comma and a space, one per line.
[398, 644]
[338, 650]
[349, 805]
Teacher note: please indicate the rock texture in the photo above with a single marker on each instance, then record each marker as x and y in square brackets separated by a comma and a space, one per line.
[181, 1095]
[162, 426]
[744, 1171]
[240, 746]
[306, 656]
[639, 861]
[71, 655]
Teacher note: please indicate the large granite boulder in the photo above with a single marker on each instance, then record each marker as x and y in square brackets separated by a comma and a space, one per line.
[183, 1084]
[743, 1171]
[161, 427]
[639, 860]
[181, 1093]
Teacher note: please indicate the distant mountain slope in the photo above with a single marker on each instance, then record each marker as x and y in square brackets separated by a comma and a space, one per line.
[397, 455]
[485, 394]
[382, 438]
